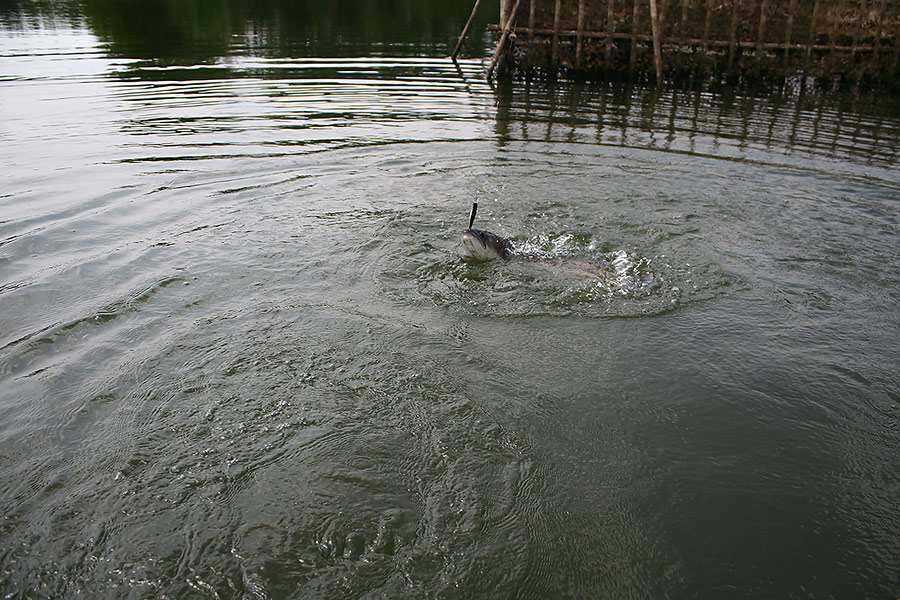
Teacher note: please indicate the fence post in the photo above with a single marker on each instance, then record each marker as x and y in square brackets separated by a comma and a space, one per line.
[858, 31]
[634, 26]
[501, 45]
[465, 30]
[787, 39]
[706, 26]
[812, 37]
[657, 42]
[832, 39]
[610, 29]
[555, 31]
[876, 47]
[735, 7]
[760, 34]
[685, 5]
[580, 33]
[896, 52]
[531, 21]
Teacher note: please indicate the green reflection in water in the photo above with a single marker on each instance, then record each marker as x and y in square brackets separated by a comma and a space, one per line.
[176, 32]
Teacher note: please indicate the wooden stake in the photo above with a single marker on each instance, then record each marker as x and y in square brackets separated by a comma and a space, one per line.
[879, 14]
[761, 33]
[787, 40]
[657, 44]
[896, 53]
[556, 10]
[610, 29]
[832, 40]
[634, 27]
[735, 7]
[685, 6]
[465, 30]
[812, 36]
[878, 19]
[578, 43]
[531, 21]
[858, 31]
[498, 51]
[706, 31]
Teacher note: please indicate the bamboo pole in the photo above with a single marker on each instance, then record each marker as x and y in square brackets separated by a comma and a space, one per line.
[531, 20]
[706, 25]
[787, 39]
[465, 30]
[761, 33]
[735, 7]
[685, 6]
[812, 36]
[610, 29]
[578, 40]
[657, 44]
[634, 27]
[878, 23]
[663, 6]
[896, 52]
[556, 11]
[832, 41]
[879, 14]
[498, 51]
[643, 37]
[857, 31]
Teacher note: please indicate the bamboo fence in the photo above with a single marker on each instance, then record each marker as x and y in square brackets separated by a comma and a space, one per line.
[847, 38]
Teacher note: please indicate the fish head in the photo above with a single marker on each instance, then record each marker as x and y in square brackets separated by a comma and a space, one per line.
[484, 245]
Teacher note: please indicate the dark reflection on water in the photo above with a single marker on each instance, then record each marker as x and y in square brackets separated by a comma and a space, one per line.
[240, 356]
[788, 121]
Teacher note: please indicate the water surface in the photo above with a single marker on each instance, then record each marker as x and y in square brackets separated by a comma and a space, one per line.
[241, 356]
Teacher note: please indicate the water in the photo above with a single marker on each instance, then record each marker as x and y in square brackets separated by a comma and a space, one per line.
[241, 357]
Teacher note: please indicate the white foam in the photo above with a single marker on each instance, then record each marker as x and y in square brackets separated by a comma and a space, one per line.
[628, 273]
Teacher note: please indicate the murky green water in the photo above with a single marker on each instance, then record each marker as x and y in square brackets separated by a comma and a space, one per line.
[240, 356]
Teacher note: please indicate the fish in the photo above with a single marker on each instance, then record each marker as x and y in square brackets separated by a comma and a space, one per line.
[484, 245]
[478, 244]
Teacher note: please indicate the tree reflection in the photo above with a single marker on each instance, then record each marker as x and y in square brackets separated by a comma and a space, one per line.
[179, 32]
